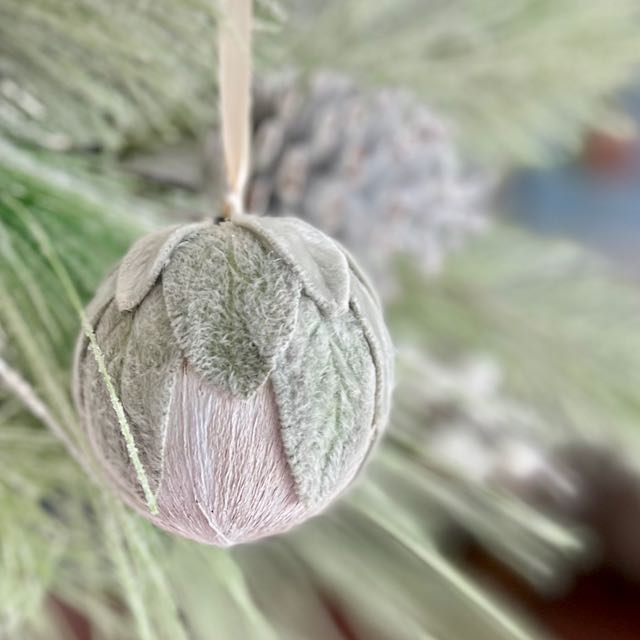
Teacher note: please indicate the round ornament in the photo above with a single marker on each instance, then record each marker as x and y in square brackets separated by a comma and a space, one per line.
[237, 376]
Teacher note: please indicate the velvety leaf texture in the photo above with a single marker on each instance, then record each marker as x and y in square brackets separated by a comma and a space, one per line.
[144, 262]
[232, 305]
[103, 429]
[318, 261]
[324, 384]
[366, 308]
[142, 360]
[151, 362]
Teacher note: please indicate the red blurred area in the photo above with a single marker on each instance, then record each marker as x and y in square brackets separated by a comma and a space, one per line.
[601, 605]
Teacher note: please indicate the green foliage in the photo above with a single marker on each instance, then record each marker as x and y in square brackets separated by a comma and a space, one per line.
[76, 542]
[534, 306]
[559, 320]
[30, 544]
[85, 74]
[514, 76]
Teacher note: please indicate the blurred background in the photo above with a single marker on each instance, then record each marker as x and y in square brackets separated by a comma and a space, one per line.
[482, 159]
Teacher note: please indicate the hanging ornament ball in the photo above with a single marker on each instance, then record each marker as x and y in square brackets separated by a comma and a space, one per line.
[252, 366]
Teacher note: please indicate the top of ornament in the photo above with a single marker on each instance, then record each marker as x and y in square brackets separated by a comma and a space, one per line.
[323, 271]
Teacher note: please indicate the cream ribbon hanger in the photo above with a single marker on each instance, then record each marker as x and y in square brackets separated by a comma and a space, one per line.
[234, 72]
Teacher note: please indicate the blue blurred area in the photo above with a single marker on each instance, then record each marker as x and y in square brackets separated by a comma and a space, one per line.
[597, 205]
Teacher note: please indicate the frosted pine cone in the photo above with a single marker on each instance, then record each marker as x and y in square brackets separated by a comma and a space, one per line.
[376, 170]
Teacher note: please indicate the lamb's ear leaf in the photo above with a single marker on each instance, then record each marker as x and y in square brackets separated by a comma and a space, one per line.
[325, 389]
[366, 304]
[232, 303]
[319, 262]
[367, 310]
[144, 262]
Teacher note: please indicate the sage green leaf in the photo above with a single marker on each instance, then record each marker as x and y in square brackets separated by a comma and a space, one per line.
[317, 259]
[144, 262]
[232, 303]
[370, 315]
[324, 384]
[150, 364]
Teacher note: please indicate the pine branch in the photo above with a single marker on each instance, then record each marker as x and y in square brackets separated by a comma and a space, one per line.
[164, 587]
[514, 76]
